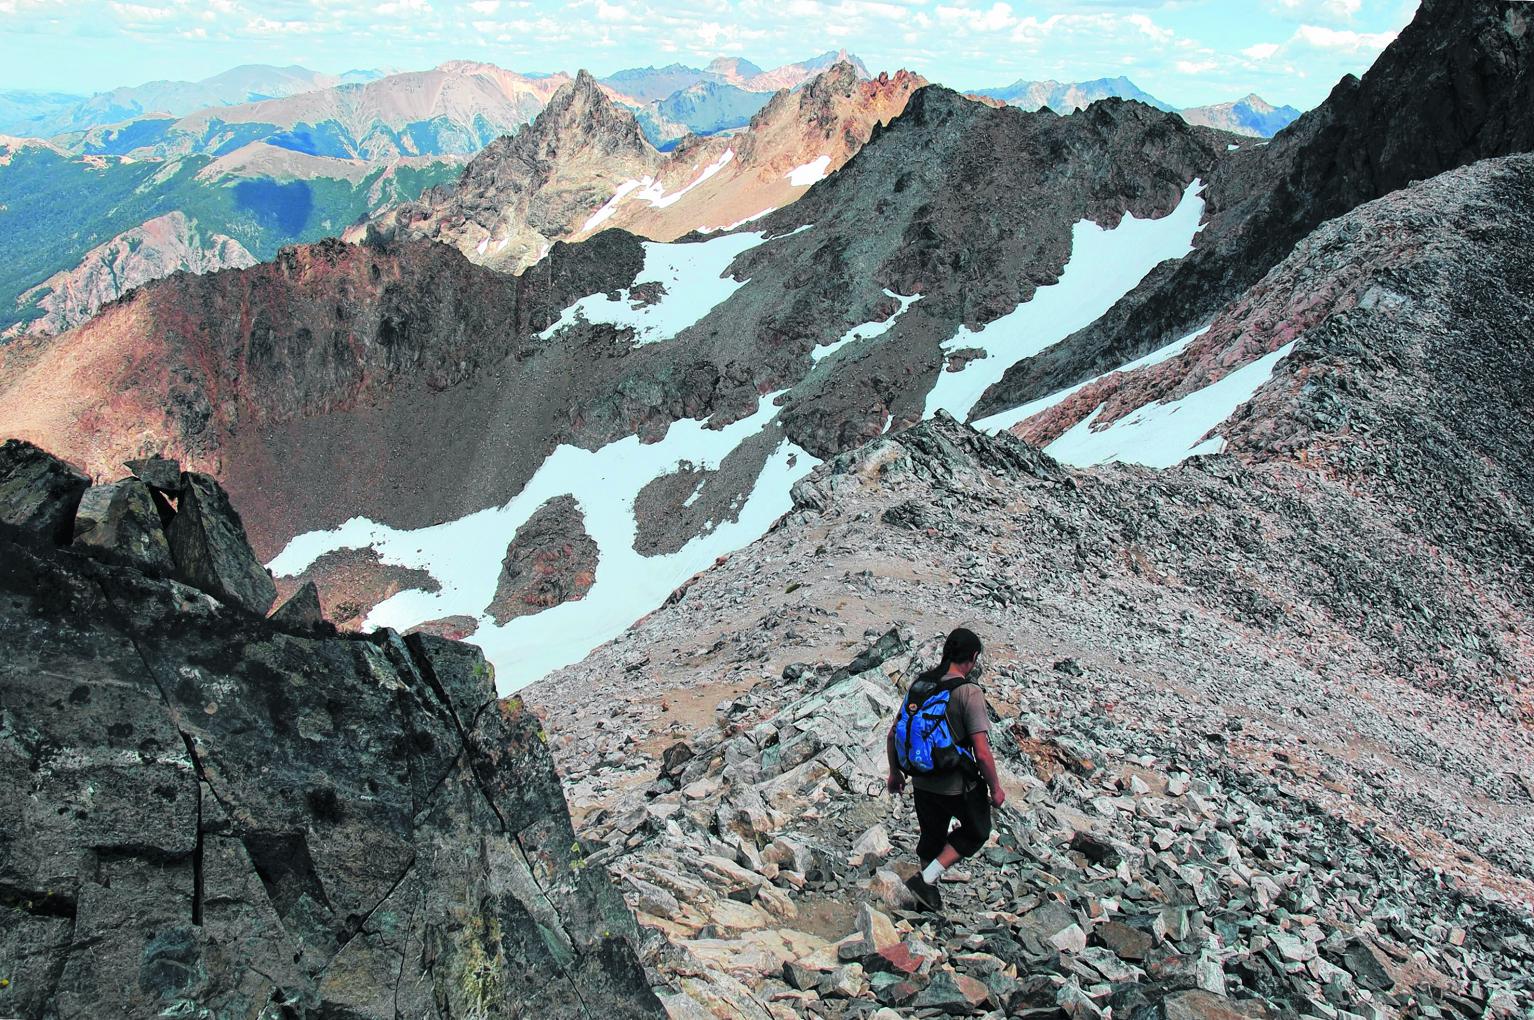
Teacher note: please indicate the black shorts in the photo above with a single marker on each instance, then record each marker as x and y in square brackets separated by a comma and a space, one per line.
[935, 811]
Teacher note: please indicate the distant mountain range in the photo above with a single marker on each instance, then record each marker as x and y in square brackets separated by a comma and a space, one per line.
[77, 231]
[1252, 116]
[141, 181]
[45, 114]
[644, 85]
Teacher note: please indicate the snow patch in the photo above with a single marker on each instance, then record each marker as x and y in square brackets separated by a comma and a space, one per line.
[1163, 434]
[1104, 266]
[648, 189]
[464, 555]
[1004, 420]
[692, 274]
[739, 223]
[868, 330]
[810, 173]
[605, 213]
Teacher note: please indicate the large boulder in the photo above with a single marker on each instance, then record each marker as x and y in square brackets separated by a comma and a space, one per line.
[203, 814]
[207, 540]
[38, 492]
[119, 521]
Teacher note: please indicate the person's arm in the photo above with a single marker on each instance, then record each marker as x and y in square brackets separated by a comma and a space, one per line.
[896, 781]
[977, 719]
[987, 762]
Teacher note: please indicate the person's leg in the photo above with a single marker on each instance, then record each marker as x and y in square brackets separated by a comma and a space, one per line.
[933, 815]
[934, 812]
[974, 814]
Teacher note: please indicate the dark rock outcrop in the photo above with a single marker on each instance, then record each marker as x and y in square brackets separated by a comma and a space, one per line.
[202, 812]
[157, 473]
[551, 559]
[207, 539]
[121, 521]
[38, 492]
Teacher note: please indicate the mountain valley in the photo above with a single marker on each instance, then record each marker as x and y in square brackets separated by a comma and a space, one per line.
[458, 566]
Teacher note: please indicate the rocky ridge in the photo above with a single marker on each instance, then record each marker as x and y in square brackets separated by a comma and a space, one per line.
[205, 810]
[1469, 70]
[1217, 809]
[585, 166]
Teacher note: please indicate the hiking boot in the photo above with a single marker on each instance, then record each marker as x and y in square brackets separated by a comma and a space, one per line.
[927, 895]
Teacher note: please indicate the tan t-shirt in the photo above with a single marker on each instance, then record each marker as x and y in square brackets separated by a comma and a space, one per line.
[967, 715]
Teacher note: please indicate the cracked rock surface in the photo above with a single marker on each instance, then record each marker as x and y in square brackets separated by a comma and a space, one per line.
[203, 813]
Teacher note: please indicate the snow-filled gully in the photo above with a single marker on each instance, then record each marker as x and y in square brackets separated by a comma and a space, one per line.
[464, 555]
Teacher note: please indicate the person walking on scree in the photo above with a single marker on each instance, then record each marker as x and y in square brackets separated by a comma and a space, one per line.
[941, 740]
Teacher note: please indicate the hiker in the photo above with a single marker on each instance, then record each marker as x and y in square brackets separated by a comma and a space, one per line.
[940, 739]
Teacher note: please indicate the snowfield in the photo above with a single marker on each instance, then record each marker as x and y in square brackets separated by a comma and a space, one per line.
[692, 275]
[1104, 266]
[1004, 420]
[812, 172]
[648, 189]
[868, 330]
[1163, 434]
[464, 556]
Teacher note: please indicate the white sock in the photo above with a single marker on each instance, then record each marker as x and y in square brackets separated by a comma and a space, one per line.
[932, 872]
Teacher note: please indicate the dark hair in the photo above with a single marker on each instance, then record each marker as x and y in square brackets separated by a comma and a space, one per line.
[962, 645]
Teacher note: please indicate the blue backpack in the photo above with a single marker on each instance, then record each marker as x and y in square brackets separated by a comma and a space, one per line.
[924, 742]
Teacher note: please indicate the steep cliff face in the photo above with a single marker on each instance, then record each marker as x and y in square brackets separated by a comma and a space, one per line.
[203, 809]
[1452, 89]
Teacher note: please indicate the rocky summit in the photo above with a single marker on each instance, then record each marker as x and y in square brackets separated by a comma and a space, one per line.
[207, 813]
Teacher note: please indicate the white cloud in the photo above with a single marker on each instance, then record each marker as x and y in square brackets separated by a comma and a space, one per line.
[1196, 67]
[1261, 51]
[1330, 10]
[1344, 40]
[142, 12]
[485, 6]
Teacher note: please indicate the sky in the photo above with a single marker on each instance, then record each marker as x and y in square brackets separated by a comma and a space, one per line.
[1185, 52]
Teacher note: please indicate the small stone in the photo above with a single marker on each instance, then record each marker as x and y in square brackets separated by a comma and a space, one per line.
[1069, 940]
[890, 889]
[1076, 1003]
[1096, 849]
[896, 959]
[1293, 947]
[872, 846]
[1127, 942]
[954, 994]
[797, 975]
[1364, 964]
[1198, 1004]
[674, 757]
[1070, 667]
[876, 928]
[843, 983]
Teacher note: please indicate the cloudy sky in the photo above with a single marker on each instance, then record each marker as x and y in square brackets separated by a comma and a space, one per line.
[1184, 51]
